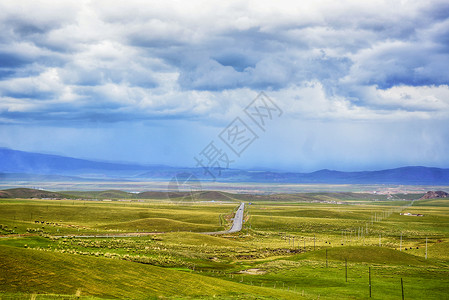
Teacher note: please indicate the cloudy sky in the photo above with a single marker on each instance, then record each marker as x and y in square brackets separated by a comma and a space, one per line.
[361, 85]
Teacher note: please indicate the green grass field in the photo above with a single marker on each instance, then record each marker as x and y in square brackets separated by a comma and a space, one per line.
[289, 248]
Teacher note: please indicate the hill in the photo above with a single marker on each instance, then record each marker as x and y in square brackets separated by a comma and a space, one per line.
[30, 193]
[24, 270]
[113, 194]
[434, 195]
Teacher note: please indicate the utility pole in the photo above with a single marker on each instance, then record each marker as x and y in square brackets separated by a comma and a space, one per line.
[346, 269]
[426, 247]
[369, 276]
[326, 258]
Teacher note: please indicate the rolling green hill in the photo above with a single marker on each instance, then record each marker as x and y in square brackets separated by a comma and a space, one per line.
[25, 271]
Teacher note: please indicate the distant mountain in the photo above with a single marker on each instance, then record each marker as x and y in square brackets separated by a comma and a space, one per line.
[27, 166]
[40, 177]
[404, 175]
[14, 161]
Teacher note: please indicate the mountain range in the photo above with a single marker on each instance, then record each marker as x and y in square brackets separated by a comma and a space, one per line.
[20, 165]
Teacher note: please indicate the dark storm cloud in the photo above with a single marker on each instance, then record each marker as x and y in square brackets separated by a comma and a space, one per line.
[9, 60]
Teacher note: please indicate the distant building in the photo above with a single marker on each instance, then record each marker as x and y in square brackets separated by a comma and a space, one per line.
[410, 214]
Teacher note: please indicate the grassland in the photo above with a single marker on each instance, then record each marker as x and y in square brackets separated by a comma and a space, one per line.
[290, 247]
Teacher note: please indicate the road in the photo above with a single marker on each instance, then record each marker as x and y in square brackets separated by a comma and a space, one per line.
[236, 225]
[238, 219]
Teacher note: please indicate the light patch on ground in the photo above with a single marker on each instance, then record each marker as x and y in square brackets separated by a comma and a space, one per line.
[253, 272]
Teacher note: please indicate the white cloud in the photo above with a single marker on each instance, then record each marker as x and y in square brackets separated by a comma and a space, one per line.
[348, 60]
[432, 99]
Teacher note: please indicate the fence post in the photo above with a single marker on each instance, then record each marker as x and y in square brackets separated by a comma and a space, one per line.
[402, 288]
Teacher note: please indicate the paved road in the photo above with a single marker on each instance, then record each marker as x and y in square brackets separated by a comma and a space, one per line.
[236, 225]
[238, 219]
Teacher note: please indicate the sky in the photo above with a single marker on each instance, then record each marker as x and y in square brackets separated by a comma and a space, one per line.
[347, 85]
